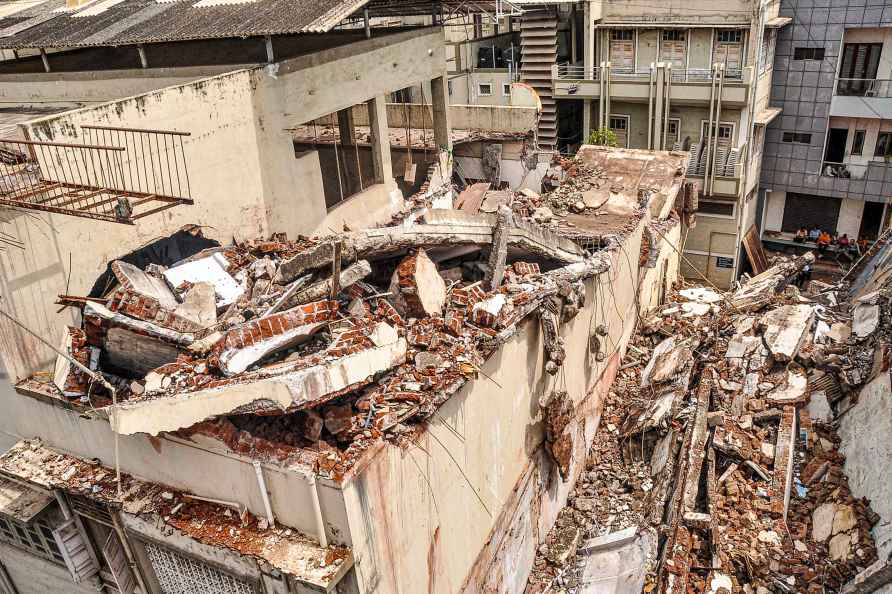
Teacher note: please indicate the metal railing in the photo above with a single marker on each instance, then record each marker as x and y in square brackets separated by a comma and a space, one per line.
[122, 175]
[864, 87]
[844, 170]
[575, 72]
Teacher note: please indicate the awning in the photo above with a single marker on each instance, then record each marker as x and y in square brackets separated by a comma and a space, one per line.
[21, 503]
[778, 22]
[767, 115]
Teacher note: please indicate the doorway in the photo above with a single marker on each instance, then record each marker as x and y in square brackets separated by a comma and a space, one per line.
[836, 145]
[870, 220]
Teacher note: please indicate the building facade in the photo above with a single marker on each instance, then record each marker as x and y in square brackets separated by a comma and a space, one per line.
[827, 158]
[674, 77]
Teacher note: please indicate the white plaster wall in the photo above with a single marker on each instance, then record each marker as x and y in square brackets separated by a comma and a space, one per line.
[203, 467]
[864, 431]
[774, 210]
[850, 214]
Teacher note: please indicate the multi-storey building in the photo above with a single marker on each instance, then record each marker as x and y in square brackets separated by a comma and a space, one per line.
[827, 157]
[670, 75]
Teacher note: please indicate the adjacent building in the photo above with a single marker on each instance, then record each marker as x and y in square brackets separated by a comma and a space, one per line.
[826, 161]
[671, 76]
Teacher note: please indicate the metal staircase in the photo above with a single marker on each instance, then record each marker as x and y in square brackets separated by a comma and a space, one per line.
[538, 40]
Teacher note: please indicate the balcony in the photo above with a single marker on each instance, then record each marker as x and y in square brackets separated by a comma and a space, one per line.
[689, 86]
[862, 98]
[857, 181]
[727, 168]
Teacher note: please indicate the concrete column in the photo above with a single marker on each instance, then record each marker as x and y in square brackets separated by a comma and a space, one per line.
[588, 36]
[349, 158]
[440, 104]
[380, 139]
[658, 107]
[586, 120]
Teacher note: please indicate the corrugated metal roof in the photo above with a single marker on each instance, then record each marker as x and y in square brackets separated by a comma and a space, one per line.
[148, 21]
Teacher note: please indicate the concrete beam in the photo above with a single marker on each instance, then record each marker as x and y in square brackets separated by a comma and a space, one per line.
[380, 138]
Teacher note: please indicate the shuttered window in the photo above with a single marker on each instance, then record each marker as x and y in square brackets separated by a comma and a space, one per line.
[76, 550]
[729, 49]
[622, 50]
[673, 46]
[36, 537]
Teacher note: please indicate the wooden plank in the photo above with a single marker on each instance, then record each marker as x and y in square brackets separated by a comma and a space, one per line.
[754, 250]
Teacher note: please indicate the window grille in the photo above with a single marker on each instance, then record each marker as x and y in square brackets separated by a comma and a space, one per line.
[179, 574]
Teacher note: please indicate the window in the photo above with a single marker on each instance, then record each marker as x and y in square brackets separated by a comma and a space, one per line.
[729, 36]
[713, 208]
[858, 142]
[484, 89]
[766, 59]
[619, 125]
[621, 35]
[673, 35]
[808, 53]
[725, 132]
[796, 137]
[884, 145]
[35, 536]
[506, 89]
[449, 86]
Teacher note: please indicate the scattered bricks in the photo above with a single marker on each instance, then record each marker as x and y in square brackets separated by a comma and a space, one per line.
[468, 296]
[418, 289]
[148, 309]
[338, 418]
[384, 309]
[257, 330]
[525, 269]
[488, 313]
[454, 322]
[311, 424]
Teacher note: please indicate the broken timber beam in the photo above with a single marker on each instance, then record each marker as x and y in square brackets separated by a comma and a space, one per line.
[323, 289]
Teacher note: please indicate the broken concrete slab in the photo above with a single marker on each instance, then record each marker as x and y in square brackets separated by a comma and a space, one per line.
[135, 352]
[133, 279]
[794, 389]
[609, 541]
[865, 320]
[701, 295]
[285, 391]
[417, 287]
[787, 328]
[666, 361]
[101, 312]
[211, 269]
[199, 305]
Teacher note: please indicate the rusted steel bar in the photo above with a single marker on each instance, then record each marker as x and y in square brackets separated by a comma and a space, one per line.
[149, 130]
[60, 144]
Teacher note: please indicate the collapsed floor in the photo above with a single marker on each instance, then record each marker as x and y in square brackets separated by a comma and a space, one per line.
[716, 467]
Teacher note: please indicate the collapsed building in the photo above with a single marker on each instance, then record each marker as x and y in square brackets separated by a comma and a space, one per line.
[328, 413]
[741, 447]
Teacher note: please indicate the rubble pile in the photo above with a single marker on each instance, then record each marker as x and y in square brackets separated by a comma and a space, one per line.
[325, 345]
[719, 437]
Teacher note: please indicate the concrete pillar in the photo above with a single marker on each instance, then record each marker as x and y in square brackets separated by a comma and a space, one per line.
[380, 139]
[658, 107]
[349, 158]
[586, 120]
[588, 36]
[440, 104]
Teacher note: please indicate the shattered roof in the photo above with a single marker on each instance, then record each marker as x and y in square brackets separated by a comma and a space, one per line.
[205, 522]
[121, 22]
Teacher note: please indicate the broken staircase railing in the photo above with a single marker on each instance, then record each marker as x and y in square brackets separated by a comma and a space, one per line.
[119, 175]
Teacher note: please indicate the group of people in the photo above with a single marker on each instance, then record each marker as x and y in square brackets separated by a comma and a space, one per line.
[846, 248]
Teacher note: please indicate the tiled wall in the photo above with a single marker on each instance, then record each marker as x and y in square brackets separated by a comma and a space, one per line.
[804, 89]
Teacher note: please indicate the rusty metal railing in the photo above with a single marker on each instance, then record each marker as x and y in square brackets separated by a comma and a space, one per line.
[121, 175]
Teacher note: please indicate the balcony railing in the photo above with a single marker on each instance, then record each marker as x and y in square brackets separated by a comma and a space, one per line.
[845, 170]
[575, 72]
[864, 87]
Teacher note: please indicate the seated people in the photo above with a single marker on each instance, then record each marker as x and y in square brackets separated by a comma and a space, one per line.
[824, 240]
[801, 235]
[813, 234]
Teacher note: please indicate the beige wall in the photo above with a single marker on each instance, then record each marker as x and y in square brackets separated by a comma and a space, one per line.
[680, 11]
[33, 575]
[483, 491]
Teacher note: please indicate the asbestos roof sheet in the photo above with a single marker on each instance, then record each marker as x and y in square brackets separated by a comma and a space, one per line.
[20, 502]
[49, 24]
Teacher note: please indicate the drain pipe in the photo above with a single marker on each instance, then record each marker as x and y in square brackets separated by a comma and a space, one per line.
[709, 127]
[666, 115]
[718, 122]
[650, 108]
[317, 511]
[261, 483]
